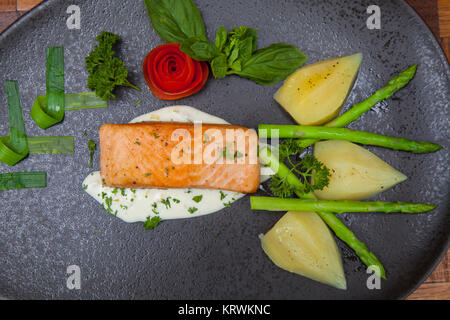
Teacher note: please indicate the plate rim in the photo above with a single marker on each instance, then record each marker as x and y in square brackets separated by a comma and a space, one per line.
[410, 10]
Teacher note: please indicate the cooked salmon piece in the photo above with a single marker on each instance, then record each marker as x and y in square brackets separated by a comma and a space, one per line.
[179, 155]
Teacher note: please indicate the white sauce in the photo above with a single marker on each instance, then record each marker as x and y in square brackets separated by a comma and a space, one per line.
[133, 205]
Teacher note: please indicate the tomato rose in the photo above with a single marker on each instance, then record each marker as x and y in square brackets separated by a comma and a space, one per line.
[171, 74]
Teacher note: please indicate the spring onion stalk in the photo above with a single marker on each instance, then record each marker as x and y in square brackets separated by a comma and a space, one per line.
[338, 206]
[333, 222]
[363, 137]
[51, 144]
[13, 148]
[53, 112]
[395, 84]
[75, 101]
[21, 180]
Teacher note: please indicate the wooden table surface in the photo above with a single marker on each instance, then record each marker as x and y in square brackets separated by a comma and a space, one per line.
[436, 14]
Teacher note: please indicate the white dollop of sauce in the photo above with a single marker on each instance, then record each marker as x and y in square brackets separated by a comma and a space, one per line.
[133, 205]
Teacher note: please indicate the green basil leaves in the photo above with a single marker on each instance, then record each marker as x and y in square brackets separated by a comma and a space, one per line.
[233, 52]
[176, 20]
[198, 49]
[272, 64]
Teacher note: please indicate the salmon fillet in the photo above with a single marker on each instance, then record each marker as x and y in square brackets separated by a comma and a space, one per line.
[166, 155]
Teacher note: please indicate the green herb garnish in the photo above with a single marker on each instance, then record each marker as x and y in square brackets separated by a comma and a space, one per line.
[191, 210]
[166, 202]
[309, 169]
[198, 198]
[108, 202]
[151, 223]
[154, 206]
[105, 70]
[288, 148]
[92, 147]
[234, 52]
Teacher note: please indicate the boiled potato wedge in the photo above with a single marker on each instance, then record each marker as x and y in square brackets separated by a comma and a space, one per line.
[315, 94]
[355, 173]
[301, 243]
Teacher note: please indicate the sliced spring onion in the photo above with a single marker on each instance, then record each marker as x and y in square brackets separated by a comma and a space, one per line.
[13, 148]
[51, 144]
[84, 100]
[75, 101]
[16, 125]
[53, 112]
[21, 180]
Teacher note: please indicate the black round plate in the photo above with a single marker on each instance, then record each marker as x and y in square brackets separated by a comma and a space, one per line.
[43, 231]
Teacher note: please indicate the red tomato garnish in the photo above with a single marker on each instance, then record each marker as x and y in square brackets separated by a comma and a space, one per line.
[171, 74]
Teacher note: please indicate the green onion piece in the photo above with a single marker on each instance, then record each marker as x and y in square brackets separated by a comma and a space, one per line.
[7, 154]
[51, 144]
[53, 112]
[21, 180]
[16, 125]
[14, 147]
[75, 101]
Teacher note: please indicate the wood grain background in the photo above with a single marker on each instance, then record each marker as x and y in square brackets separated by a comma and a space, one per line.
[435, 13]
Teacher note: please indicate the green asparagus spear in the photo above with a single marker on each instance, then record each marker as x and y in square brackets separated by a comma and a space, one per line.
[395, 84]
[339, 229]
[339, 206]
[363, 137]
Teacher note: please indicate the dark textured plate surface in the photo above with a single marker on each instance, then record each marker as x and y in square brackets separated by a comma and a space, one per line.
[44, 231]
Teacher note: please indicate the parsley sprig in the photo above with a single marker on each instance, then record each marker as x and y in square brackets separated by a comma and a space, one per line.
[105, 70]
[313, 173]
[151, 223]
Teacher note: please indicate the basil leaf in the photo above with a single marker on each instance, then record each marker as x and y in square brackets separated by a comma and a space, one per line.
[245, 48]
[199, 49]
[237, 65]
[175, 20]
[233, 55]
[221, 38]
[240, 46]
[219, 66]
[243, 33]
[272, 64]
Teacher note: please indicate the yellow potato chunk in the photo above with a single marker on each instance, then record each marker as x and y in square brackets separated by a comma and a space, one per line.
[355, 173]
[315, 94]
[301, 243]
